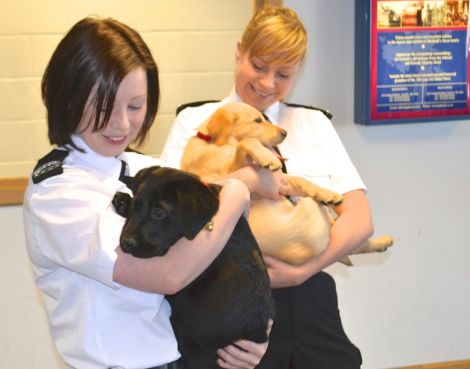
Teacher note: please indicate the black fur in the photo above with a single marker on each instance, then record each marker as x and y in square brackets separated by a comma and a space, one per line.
[232, 298]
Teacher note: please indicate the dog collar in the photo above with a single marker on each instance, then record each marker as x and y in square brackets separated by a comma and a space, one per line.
[203, 136]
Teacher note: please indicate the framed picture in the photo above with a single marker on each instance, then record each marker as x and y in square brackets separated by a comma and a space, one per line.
[411, 61]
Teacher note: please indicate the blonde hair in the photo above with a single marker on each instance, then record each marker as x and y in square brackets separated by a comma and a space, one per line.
[276, 33]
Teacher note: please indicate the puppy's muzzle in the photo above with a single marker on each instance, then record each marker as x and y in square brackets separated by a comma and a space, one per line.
[281, 135]
[128, 245]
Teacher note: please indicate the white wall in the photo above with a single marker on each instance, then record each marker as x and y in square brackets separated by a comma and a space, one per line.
[25, 341]
[411, 304]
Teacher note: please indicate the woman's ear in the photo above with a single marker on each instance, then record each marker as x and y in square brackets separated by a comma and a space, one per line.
[237, 52]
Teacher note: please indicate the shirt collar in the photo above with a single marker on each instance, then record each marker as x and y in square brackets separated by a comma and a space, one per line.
[110, 166]
[272, 111]
[233, 96]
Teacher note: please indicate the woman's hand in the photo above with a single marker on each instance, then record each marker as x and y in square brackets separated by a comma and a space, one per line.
[262, 182]
[282, 274]
[272, 185]
[243, 354]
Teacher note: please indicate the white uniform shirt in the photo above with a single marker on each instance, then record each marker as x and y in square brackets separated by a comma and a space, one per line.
[72, 232]
[312, 146]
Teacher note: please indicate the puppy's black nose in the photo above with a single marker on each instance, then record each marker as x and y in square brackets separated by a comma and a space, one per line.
[128, 244]
[283, 133]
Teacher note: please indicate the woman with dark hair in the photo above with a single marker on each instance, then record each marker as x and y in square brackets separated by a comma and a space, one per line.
[106, 308]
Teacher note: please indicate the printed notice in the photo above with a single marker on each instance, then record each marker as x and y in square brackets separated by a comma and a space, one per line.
[419, 59]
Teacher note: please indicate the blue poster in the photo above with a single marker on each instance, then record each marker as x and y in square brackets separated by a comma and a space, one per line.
[412, 60]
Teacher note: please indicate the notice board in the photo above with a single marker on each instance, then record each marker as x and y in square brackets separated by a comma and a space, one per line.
[411, 61]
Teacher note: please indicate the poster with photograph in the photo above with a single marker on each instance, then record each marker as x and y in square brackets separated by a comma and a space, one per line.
[415, 66]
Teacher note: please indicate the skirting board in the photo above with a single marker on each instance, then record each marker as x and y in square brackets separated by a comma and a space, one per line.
[460, 364]
[12, 190]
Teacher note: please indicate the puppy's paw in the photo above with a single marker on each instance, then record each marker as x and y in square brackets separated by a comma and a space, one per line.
[328, 198]
[274, 165]
[382, 243]
[269, 162]
[376, 244]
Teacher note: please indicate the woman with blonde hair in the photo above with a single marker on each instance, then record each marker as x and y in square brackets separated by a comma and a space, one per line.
[307, 331]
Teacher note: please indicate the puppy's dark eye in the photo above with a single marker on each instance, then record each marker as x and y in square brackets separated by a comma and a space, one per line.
[258, 120]
[157, 213]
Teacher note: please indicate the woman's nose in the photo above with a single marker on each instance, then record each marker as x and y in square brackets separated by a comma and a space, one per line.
[119, 120]
[268, 81]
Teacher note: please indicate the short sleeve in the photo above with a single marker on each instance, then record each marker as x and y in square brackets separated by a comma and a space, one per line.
[70, 223]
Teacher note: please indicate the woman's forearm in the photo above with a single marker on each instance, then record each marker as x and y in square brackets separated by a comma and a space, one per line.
[186, 259]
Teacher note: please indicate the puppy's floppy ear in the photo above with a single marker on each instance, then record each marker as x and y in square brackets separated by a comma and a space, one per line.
[121, 202]
[197, 204]
[141, 175]
[220, 125]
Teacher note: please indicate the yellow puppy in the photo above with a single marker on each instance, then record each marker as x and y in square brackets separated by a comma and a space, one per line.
[237, 135]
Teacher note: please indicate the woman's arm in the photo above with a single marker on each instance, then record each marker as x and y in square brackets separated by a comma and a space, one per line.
[350, 229]
[186, 259]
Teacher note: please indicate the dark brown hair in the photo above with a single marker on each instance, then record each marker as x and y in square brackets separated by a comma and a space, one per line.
[95, 52]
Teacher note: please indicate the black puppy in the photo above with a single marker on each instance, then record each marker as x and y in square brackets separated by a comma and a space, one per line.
[231, 299]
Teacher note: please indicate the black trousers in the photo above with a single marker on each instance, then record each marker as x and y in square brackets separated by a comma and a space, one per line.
[307, 332]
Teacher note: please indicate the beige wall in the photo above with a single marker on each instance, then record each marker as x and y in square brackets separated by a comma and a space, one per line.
[192, 41]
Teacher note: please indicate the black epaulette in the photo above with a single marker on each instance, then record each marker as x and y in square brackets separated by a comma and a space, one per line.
[326, 112]
[194, 105]
[49, 166]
